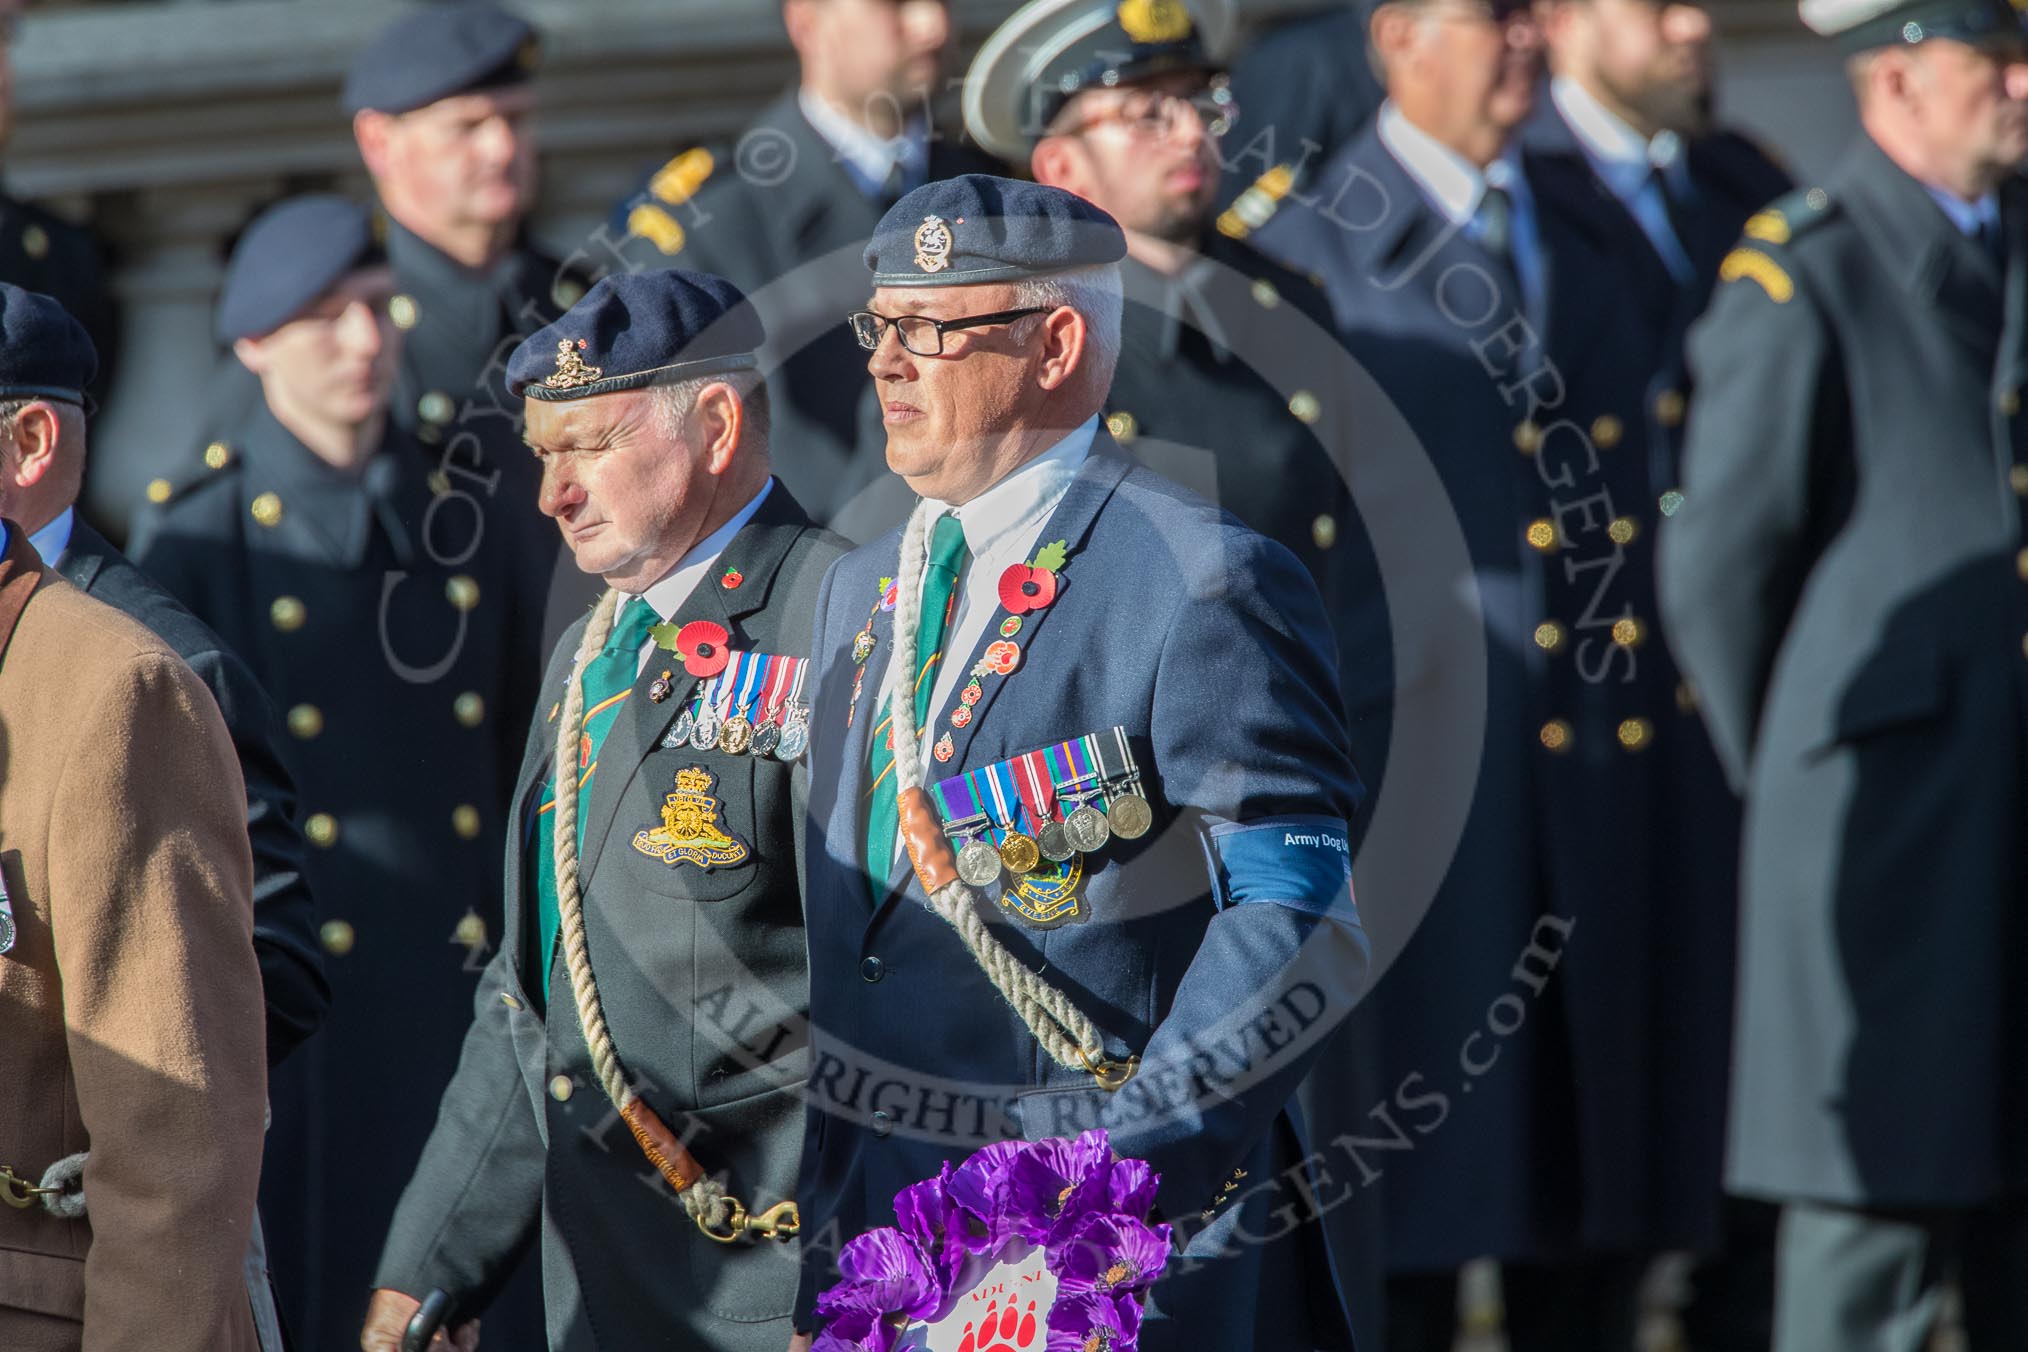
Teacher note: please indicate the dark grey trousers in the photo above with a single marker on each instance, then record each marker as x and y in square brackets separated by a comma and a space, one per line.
[1875, 1281]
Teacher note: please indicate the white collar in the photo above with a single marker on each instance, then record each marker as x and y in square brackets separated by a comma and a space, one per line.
[1968, 217]
[52, 539]
[1030, 492]
[1605, 136]
[1454, 185]
[668, 595]
[869, 157]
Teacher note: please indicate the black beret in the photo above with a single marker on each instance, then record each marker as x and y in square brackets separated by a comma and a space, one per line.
[439, 50]
[977, 228]
[1049, 50]
[1864, 25]
[293, 253]
[44, 353]
[635, 329]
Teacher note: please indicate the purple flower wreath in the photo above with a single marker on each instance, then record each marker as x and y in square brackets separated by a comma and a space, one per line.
[1086, 1210]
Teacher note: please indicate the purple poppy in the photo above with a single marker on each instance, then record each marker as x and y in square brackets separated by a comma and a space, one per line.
[928, 1214]
[979, 1185]
[1094, 1323]
[1055, 1184]
[1132, 1188]
[856, 1331]
[885, 1273]
[1110, 1254]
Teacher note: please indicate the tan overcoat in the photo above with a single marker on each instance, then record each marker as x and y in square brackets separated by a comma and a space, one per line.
[130, 1004]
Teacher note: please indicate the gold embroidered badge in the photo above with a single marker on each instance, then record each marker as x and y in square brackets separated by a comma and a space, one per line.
[571, 370]
[932, 244]
[689, 833]
[1154, 20]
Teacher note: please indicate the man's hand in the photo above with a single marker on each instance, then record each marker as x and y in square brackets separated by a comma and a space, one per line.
[799, 1343]
[387, 1319]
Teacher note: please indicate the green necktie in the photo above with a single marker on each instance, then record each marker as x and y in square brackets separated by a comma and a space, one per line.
[608, 680]
[947, 558]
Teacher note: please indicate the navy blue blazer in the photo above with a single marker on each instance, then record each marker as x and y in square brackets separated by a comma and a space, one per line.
[1219, 947]
[1582, 862]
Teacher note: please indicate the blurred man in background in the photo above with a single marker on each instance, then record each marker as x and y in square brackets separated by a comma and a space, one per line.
[806, 183]
[1846, 584]
[442, 103]
[366, 609]
[1488, 299]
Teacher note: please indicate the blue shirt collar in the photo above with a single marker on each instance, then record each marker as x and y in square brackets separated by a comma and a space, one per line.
[52, 539]
[1969, 217]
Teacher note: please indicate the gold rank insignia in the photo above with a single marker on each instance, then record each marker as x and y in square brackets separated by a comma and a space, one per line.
[932, 244]
[682, 176]
[571, 369]
[1772, 226]
[1753, 265]
[1154, 20]
[689, 833]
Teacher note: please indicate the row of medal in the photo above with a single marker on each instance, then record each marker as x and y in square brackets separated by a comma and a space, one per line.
[755, 707]
[1063, 800]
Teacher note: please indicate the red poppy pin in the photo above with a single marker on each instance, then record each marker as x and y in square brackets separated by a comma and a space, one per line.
[700, 643]
[733, 577]
[1027, 587]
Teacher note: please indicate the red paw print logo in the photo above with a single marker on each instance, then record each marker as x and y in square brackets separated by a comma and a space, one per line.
[1002, 1330]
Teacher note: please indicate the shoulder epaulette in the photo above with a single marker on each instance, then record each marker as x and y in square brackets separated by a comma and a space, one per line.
[1256, 206]
[675, 182]
[1791, 216]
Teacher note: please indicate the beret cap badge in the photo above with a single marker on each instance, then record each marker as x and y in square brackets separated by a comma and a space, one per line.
[1153, 21]
[932, 244]
[571, 370]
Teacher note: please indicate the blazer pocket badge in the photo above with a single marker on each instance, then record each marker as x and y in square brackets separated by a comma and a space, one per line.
[690, 833]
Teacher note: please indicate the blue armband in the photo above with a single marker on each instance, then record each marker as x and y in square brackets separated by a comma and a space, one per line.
[1304, 863]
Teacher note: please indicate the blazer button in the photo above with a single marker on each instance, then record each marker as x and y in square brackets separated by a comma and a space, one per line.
[872, 969]
[465, 820]
[337, 937]
[883, 1125]
[560, 1088]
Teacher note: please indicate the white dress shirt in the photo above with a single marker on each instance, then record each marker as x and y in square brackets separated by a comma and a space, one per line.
[53, 539]
[869, 159]
[669, 594]
[1003, 526]
[1455, 187]
[1627, 164]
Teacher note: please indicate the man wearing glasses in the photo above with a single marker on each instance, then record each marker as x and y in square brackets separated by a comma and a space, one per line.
[1144, 691]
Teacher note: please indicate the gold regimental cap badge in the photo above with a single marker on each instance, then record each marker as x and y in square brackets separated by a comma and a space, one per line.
[932, 244]
[1154, 21]
[571, 370]
[689, 833]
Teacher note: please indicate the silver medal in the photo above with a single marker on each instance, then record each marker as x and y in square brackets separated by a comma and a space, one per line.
[979, 862]
[1054, 842]
[704, 736]
[6, 931]
[766, 738]
[795, 741]
[679, 732]
[1130, 816]
[1086, 829]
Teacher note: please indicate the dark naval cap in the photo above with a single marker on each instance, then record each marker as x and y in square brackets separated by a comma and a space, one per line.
[440, 50]
[290, 255]
[635, 329]
[1868, 25]
[977, 229]
[44, 353]
[1048, 51]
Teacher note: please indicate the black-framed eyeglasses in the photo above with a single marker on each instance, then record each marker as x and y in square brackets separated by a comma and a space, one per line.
[925, 336]
[1158, 113]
